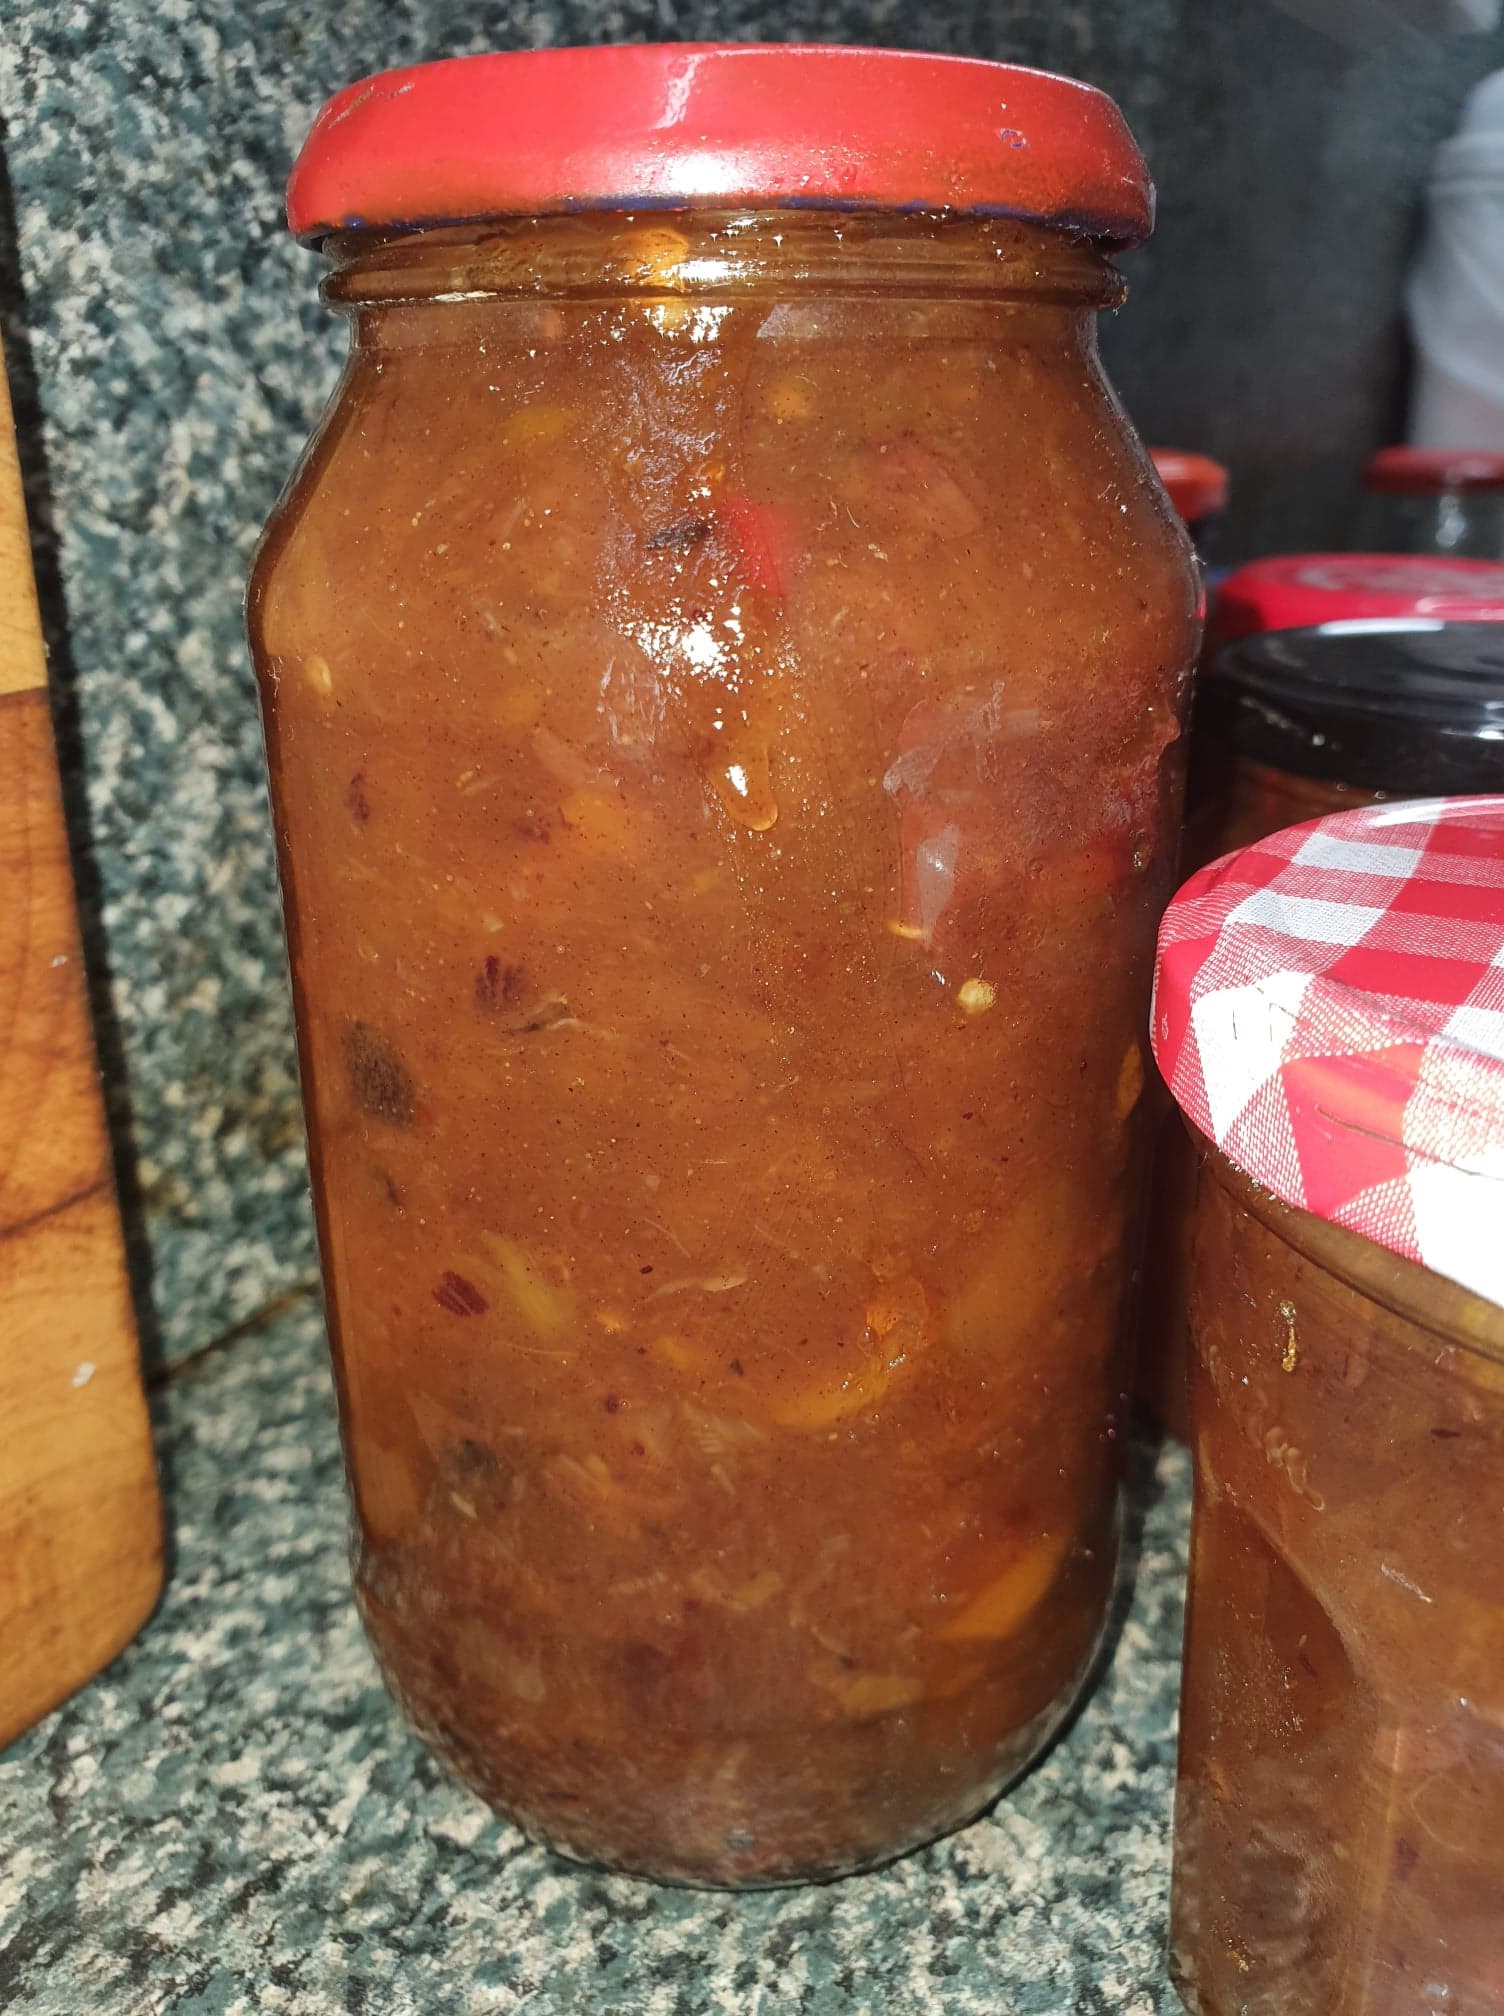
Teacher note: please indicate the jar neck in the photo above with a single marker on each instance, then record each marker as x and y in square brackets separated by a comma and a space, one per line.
[601, 256]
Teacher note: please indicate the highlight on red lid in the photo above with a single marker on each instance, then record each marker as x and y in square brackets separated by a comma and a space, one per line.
[1297, 591]
[1197, 485]
[697, 125]
[1429, 472]
[1329, 1010]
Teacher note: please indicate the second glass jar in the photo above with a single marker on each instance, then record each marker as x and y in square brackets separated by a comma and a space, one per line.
[722, 678]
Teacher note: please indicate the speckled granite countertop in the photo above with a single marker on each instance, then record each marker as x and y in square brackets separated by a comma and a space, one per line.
[233, 1820]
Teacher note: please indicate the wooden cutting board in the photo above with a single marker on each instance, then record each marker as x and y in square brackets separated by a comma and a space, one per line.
[80, 1522]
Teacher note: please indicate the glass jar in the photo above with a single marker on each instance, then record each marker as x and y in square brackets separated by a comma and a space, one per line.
[1433, 500]
[1289, 726]
[722, 673]
[1329, 1015]
[1340, 1808]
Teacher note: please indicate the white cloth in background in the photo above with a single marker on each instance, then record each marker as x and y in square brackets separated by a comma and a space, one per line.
[1455, 296]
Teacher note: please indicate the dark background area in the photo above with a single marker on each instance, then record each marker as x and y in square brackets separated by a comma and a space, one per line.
[169, 357]
[1266, 321]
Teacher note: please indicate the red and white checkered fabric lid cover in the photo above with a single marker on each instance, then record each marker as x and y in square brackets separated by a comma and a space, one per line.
[1329, 1009]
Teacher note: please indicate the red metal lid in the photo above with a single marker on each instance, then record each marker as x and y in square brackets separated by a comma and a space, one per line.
[697, 125]
[1430, 471]
[1197, 485]
[1329, 1009]
[1299, 590]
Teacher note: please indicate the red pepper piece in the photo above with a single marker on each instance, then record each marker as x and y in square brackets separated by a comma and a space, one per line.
[458, 1296]
[763, 539]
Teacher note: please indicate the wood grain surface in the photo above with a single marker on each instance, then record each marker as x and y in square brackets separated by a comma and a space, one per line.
[80, 1522]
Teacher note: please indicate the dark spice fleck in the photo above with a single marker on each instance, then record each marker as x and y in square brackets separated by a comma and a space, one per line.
[356, 802]
[736, 1366]
[459, 1296]
[1446, 1434]
[611, 1404]
[497, 986]
[680, 537]
[1406, 1855]
[473, 1459]
[378, 1076]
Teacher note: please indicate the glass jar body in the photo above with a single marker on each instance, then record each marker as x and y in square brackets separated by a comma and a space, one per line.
[1340, 1806]
[1232, 802]
[722, 679]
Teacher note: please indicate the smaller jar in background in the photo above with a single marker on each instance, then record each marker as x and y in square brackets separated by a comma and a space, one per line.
[1197, 487]
[1289, 726]
[1433, 500]
[1329, 1014]
[1297, 591]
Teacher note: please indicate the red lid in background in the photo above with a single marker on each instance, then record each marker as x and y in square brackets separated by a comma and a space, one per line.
[1197, 485]
[1429, 471]
[697, 125]
[1329, 1009]
[1296, 591]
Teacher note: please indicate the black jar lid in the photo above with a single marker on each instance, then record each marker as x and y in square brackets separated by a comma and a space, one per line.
[1411, 708]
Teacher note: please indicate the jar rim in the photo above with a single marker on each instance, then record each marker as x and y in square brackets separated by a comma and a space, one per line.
[1464, 1319]
[706, 255]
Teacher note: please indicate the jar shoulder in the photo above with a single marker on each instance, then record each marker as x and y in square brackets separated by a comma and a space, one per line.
[967, 492]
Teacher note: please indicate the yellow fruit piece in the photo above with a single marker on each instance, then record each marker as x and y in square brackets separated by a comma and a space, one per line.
[536, 425]
[598, 818]
[762, 1588]
[1025, 1271]
[1130, 1080]
[975, 997]
[388, 1489]
[518, 706]
[897, 1323]
[316, 671]
[547, 1307]
[677, 1352]
[1003, 1604]
[879, 1693]
[904, 1302]
[822, 1405]
[787, 399]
